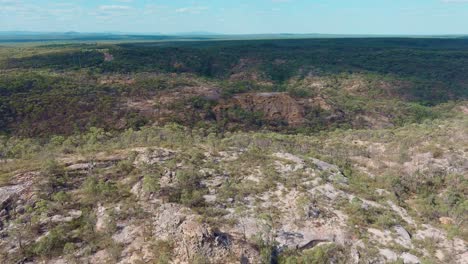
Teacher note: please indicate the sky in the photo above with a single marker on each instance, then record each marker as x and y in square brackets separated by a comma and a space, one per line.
[408, 17]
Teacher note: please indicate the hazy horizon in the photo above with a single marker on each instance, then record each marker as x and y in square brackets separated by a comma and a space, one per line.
[243, 17]
[26, 32]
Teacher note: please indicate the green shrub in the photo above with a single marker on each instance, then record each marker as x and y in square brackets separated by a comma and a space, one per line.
[329, 253]
[51, 244]
[300, 92]
[163, 251]
[98, 190]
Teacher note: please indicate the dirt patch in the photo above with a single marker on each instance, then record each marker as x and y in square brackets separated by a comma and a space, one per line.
[108, 56]
[123, 80]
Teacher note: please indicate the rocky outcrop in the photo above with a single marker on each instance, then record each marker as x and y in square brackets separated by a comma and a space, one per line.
[8, 193]
[309, 206]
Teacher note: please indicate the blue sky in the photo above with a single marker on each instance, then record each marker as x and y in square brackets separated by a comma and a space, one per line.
[238, 16]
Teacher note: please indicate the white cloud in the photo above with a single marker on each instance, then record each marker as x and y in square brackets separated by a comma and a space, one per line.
[192, 9]
[455, 1]
[114, 7]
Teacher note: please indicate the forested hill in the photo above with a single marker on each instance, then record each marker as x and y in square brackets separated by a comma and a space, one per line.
[398, 80]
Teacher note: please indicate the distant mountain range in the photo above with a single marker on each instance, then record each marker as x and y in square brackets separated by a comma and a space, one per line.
[33, 36]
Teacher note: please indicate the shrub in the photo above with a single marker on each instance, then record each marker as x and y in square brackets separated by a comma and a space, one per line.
[300, 92]
[95, 190]
[51, 244]
[55, 176]
[163, 251]
[329, 253]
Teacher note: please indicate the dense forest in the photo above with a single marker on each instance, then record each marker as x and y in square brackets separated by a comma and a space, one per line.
[56, 89]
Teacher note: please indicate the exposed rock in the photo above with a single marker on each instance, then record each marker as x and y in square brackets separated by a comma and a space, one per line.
[61, 219]
[404, 238]
[382, 192]
[209, 198]
[355, 248]
[79, 166]
[324, 166]
[446, 220]
[137, 189]
[296, 163]
[108, 56]
[8, 193]
[306, 240]
[335, 174]
[402, 212]
[338, 178]
[152, 156]
[456, 247]
[329, 191]
[102, 218]
[192, 237]
[127, 234]
[409, 258]
[383, 237]
[101, 256]
[299, 216]
[388, 254]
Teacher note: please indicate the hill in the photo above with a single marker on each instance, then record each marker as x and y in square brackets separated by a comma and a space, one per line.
[347, 150]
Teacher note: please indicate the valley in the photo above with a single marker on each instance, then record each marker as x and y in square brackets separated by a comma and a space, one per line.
[344, 150]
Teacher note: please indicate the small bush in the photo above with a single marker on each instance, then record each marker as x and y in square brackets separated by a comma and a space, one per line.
[163, 251]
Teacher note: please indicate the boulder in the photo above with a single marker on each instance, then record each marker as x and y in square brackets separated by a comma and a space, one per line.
[388, 254]
[8, 193]
[409, 258]
[403, 237]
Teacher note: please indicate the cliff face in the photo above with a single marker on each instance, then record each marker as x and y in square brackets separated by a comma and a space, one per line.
[273, 107]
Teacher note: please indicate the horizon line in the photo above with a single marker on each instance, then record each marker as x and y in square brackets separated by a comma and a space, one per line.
[222, 34]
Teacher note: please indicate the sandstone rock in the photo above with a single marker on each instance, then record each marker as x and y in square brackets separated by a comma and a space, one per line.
[72, 215]
[355, 248]
[335, 174]
[402, 212]
[324, 166]
[296, 162]
[127, 234]
[329, 191]
[301, 240]
[101, 256]
[61, 219]
[137, 189]
[388, 254]
[79, 166]
[456, 247]
[403, 238]
[75, 213]
[409, 258]
[152, 156]
[58, 261]
[102, 218]
[338, 178]
[192, 237]
[383, 237]
[382, 192]
[8, 193]
[446, 220]
[209, 198]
